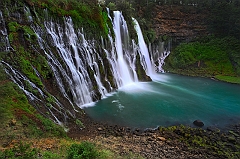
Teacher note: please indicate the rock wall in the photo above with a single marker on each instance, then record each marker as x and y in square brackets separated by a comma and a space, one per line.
[182, 23]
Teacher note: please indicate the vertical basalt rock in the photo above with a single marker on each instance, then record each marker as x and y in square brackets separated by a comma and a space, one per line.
[140, 71]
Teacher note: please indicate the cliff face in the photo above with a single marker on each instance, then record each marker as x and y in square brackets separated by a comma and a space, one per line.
[60, 64]
[178, 22]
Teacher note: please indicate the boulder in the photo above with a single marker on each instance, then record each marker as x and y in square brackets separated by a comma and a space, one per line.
[198, 123]
[231, 139]
[100, 129]
[161, 138]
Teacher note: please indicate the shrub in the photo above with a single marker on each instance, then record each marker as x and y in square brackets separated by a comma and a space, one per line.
[13, 26]
[112, 6]
[19, 152]
[85, 150]
[217, 56]
[79, 123]
[50, 128]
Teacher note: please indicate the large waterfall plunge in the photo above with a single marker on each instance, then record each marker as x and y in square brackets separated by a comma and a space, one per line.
[80, 56]
[121, 38]
[84, 70]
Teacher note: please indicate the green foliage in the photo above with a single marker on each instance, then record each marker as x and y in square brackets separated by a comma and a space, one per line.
[50, 99]
[27, 69]
[184, 56]
[50, 128]
[41, 64]
[5, 114]
[13, 26]
[112, 6]
[39, 126]
[151, 34]
[79, 123]
[87, 15]
[22, 151]
[2, 55]
[26, 62]
[214, 56]
[85, 150]
[229, 79]
[224, 19]
[105, 22]
[51, 155]
[28, 33]
[10, 37]
[31, 126]
[11, 97]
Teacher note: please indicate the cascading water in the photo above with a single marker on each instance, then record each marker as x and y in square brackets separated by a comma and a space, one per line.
[121, 33]
[82, 73]
[4, 35]
[161, 61]
[80, 54]
[22, 82]
[79, 84]
[146, 62]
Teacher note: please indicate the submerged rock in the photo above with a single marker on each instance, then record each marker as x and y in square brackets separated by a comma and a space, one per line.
[198, 123]
[213, 129]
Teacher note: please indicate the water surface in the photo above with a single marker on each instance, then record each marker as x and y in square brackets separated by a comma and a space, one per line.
[170, 100]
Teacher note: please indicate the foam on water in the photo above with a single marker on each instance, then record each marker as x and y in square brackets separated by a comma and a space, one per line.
[173, 100]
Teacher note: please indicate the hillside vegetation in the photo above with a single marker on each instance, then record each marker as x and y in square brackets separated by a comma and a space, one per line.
[206, 57]
[205, 35]
[209, 57]
[27, 133]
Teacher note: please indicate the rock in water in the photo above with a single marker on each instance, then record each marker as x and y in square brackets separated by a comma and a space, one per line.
[198, 123]
[213, 129]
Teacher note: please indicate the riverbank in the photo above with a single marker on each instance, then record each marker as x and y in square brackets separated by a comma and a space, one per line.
[210, 56]
[170, 142]
[198, 73]
[164, 142]
[124, 142]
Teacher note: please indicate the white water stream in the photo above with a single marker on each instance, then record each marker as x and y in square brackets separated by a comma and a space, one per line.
[77, 64]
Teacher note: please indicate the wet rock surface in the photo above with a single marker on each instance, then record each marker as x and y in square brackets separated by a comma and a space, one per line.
[172, 142]
[198, 123]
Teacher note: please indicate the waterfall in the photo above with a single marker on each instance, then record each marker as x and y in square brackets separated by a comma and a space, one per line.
[23, 82]
[161, 61]
[146, 62]
[83, 70]
[4, 35]
[121, 39]
[158, 53]
[79, 81]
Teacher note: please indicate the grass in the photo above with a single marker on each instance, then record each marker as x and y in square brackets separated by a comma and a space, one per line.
[84, 150]
[215, 57]
[229, 79]
[57, 148]
[26, 134]
[84, 14]
[11, 97]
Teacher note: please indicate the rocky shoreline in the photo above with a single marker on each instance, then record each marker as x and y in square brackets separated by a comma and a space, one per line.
[163, 142]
